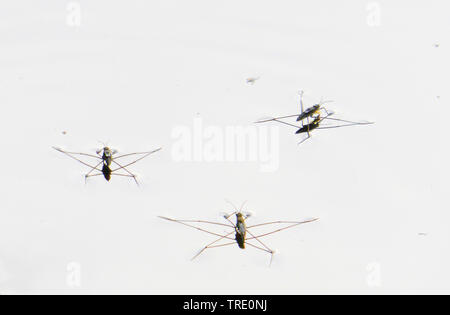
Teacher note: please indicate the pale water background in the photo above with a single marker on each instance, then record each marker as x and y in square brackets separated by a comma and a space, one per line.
[130, 72]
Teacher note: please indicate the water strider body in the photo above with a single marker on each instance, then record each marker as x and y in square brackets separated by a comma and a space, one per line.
[309, 112]
[107, 160]
[241, 230]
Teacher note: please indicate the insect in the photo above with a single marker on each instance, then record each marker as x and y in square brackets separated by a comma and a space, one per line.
[106, 158]
[313, 116]
[243, 234]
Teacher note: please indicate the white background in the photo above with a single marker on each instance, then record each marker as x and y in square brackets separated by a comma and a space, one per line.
[134, 70]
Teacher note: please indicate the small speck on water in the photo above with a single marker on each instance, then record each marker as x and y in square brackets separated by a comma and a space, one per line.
[252, 80]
